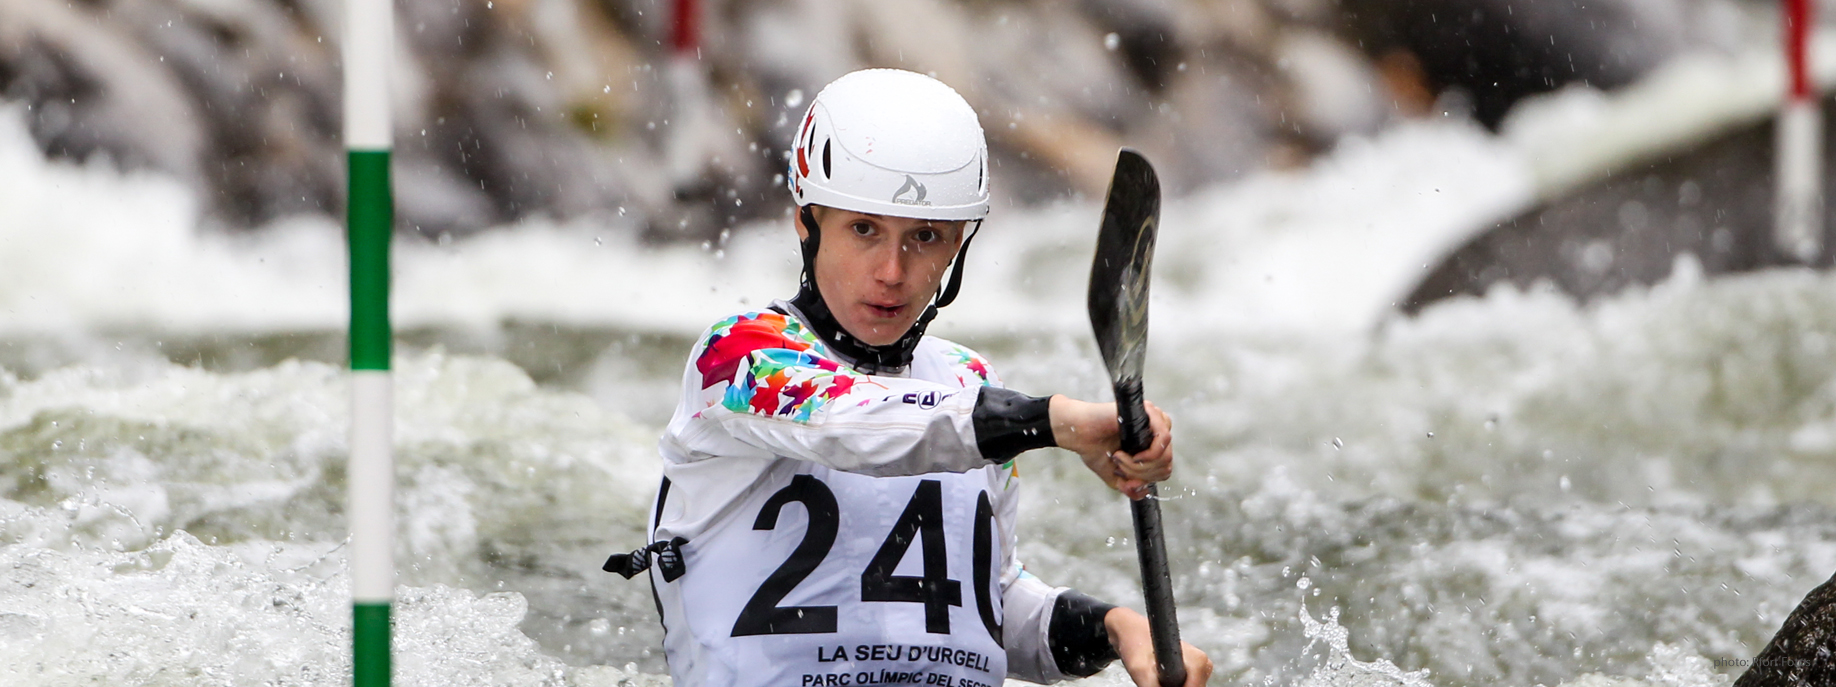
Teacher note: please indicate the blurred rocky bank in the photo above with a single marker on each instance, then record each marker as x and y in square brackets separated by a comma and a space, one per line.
[564, 108]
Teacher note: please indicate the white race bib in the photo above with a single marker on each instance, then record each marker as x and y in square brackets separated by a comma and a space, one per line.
[833, 578]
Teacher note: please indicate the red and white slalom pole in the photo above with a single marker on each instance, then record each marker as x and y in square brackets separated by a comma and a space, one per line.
[1798, 211]
[686, 145]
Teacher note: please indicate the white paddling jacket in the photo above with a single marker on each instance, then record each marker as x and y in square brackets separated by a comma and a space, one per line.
[821, 526]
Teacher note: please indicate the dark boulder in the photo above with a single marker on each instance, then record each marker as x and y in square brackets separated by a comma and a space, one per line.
[1497, 52]
[1803, 653]
[1712, 200]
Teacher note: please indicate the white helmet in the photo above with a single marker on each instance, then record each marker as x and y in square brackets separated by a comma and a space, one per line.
[891, 142]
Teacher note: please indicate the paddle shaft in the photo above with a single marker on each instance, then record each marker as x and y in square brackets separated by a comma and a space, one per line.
[1150, 543]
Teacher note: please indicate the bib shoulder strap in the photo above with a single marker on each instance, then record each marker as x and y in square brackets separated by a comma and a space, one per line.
[666, 555]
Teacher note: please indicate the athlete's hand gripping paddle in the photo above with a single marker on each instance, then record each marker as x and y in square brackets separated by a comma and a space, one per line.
[1119, 314]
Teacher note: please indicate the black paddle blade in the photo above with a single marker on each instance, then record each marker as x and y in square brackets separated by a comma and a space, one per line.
[1119, 314]
[1119, 287]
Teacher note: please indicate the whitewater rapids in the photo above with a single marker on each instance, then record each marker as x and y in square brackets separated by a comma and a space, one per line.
[1513, 490]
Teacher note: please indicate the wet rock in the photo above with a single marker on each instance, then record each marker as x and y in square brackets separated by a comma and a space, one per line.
[507, 109]
[90, 88]
[1147, 36]
[1496, 52]
[263, 86]
[1803, 653]
[1711, 202]
[243, 101]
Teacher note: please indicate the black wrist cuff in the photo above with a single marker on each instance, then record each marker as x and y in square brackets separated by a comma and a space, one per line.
[1008, 423]
[1077, 635]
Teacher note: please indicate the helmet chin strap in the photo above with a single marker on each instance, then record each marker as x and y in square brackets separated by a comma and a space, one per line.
[869, 358]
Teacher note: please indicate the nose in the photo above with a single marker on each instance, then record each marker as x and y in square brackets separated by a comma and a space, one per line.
[889, 264]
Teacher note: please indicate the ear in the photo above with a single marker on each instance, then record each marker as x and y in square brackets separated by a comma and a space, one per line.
[803, 232]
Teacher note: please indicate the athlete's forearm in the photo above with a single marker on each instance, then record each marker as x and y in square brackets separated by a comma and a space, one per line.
[1083, 427]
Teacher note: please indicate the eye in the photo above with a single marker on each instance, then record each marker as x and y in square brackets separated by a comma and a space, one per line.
[862, 228]
[926, 235]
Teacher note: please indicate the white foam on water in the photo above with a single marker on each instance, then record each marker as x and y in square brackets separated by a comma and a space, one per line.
[492, 473]
[1333, 248]
[511, 488]
[180, 612]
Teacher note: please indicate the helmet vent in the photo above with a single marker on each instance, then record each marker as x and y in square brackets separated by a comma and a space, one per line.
[825, 158]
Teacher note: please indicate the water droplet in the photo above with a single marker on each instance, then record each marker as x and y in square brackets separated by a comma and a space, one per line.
[1338, 443]
[1111, 42]
[794, 97]
[1303, 583]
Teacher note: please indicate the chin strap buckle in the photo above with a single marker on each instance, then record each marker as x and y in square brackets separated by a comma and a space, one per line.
[667, 555]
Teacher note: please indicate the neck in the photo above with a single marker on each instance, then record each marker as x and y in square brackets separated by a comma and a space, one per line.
[868, 358]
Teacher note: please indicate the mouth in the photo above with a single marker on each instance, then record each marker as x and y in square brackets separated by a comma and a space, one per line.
[885, 311]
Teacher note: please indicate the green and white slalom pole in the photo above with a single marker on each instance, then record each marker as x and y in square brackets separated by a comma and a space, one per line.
[368, 35]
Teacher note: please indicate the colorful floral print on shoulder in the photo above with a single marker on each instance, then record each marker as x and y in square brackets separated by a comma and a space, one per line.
[771, 366]
[971, 368]
[730, 341]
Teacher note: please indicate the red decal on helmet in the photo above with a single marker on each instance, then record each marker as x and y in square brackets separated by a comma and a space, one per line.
[803, 165]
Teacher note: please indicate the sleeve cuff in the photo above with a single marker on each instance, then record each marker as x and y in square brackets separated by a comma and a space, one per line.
[1008, 423]
[1079, 639]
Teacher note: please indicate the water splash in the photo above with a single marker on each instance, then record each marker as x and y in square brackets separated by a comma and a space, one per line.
[1338, 668]
[181, 612]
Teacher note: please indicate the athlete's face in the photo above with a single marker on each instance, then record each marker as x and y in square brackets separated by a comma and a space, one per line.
[877, 273]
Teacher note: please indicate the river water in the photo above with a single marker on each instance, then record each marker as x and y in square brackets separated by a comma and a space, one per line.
[1514, 490]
